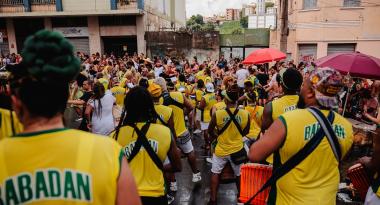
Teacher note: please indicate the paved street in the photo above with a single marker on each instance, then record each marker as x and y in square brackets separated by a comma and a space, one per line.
[190, 193]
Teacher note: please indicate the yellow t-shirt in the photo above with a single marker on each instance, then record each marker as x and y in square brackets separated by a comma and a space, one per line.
[199, 94]
[284, 104]
[148, 177]
[105, 82]
[181, 87]
[315, 180]
[256, 114]
[164, 112]
[280, 106]
[220, 105]
[210, 100]
[119, 93]
[230, 141]
[60, 166]
[6, 124]
[178, 114]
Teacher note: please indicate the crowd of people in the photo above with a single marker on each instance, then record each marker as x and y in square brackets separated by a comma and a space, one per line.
[135, 116]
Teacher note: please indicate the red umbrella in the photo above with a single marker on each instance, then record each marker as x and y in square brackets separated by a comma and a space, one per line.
[264, 55]
[356, 64]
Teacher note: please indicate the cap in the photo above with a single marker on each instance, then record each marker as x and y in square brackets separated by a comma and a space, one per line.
[155, 90]
[327, 84]
[210, 88]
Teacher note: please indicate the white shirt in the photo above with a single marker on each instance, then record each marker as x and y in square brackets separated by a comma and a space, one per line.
[158, 71]
[242, 75]
[103, 122]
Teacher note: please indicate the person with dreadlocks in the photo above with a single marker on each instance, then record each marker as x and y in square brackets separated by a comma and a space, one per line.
[99, 111]
[232, 125]
[47, 163]
[146, 145]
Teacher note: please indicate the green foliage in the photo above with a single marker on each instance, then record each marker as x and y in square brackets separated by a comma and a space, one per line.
[268, 5]
[244, 22]
[230, 26]
[237, 31]
[208, 27]
[196, 23]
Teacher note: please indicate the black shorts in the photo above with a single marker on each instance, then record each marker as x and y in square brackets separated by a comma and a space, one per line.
[162, 200]
[262, 94]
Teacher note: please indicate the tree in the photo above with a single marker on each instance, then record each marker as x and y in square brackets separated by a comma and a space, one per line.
[195, 23]
[208, 27]
[244, 22]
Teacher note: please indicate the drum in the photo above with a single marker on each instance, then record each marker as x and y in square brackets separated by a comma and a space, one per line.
[359, 179]
[253, 177]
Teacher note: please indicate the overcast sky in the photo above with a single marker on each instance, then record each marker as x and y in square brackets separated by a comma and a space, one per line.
[211, 7]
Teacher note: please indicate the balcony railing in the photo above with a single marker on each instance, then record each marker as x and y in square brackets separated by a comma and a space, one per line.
[126, 4]
[43, 5]
[10, 6]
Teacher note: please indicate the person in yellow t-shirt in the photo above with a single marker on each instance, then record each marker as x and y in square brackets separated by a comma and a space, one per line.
[256, 113]
[290, 82]
[103, 80]
[205, 106]
[9, 123]
[229, 138]
[199, 92]
[147, 166]
[315, 180]
[119, 93]
[90, 168]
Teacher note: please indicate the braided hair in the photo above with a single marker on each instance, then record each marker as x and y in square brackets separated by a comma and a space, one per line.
[138, 107]
[41, 80]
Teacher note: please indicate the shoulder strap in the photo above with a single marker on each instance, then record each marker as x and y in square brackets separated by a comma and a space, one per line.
[162, 121]
[232, 119]
[329, 131]
[232, 116]
[294, 160]
[168, 100]
[142, 141]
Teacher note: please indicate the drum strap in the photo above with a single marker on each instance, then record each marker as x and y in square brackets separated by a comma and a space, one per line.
[232, 119]
[300, 155]
[142, 141]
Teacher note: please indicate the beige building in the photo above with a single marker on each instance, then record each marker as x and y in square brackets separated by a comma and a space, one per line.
[317, 28]
[233, 14]
[102, 26]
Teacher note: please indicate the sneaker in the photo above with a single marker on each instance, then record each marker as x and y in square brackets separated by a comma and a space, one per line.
[197, 131]
[197, 177]
[209, 160]
[173, 186]
[170, 198]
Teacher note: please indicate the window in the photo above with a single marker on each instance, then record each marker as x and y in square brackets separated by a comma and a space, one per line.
[340, 48]
[309, 4]
[351, 3]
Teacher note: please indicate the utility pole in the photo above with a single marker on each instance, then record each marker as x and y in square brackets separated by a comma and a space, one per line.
[283, 25]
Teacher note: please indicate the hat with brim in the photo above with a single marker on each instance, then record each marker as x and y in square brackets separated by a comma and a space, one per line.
[210, 88]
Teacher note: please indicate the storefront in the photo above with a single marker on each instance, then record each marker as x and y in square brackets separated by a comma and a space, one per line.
[78, 36]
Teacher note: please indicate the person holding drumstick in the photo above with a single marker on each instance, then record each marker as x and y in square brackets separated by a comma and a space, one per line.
[315, 179]
[372, 164]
